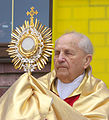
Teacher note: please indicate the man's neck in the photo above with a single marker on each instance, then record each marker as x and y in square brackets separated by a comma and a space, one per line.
[66, 89]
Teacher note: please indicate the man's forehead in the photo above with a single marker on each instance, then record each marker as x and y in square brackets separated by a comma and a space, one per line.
[66, 41]
[65, 47]
[69, 38]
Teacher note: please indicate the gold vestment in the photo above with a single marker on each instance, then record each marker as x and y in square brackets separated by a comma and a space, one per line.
[31, 99]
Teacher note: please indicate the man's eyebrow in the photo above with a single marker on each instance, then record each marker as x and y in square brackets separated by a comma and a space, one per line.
[69, 50]
[56, 50]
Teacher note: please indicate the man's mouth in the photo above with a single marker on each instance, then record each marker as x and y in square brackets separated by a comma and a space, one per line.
[61, 67]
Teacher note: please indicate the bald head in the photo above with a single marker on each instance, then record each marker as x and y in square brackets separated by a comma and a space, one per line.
[83, 41]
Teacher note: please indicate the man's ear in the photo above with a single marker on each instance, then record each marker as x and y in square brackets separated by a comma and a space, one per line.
[87, 61]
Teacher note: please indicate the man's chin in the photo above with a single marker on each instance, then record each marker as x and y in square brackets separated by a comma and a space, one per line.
[61, 72]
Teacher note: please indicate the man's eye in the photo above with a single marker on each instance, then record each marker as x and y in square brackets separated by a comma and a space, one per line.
[57, 52]
[68, 53]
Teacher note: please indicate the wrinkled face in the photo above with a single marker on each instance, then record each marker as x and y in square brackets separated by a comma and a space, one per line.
[69, 59]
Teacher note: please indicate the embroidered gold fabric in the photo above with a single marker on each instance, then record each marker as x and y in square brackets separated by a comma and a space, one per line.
[31, 99]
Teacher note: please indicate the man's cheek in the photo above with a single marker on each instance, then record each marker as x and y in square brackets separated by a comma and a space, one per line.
[55, 63]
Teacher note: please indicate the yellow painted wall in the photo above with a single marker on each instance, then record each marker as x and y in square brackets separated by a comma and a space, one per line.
[90, 17]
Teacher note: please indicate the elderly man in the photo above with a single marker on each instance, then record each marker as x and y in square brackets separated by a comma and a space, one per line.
[69, 92]
[73, 54]
[74, 82]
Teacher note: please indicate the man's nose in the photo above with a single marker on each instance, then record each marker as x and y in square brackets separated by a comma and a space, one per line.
[61, 57]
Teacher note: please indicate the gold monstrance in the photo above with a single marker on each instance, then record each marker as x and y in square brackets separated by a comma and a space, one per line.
[30, 44]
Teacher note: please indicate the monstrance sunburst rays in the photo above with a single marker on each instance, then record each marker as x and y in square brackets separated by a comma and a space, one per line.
[30, 45]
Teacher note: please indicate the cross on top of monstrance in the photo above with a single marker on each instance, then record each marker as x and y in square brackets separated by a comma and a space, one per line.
[30, 44]
[32, 13]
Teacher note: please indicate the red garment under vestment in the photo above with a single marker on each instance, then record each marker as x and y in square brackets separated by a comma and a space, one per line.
[72, 99]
